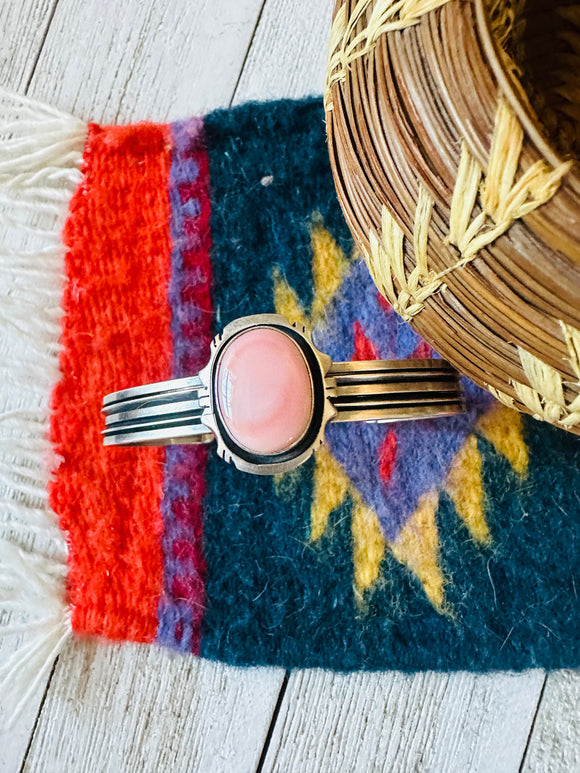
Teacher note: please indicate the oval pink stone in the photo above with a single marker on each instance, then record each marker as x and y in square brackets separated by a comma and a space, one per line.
[264, 391]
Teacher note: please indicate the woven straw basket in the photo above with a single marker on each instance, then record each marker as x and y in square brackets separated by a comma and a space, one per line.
[453, 130]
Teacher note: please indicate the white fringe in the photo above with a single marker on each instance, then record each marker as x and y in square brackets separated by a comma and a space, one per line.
[40, 158]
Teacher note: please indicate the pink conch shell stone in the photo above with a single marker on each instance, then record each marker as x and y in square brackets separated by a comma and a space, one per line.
[264, 391]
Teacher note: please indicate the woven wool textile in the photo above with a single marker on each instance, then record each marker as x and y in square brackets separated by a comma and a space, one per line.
[443, 544]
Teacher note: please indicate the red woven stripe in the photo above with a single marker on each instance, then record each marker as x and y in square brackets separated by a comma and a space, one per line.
[116, 333]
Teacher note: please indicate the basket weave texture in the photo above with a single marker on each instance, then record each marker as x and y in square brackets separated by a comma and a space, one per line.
[453, 131]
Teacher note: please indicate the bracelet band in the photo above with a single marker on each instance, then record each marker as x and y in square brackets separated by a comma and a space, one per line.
[280, 367]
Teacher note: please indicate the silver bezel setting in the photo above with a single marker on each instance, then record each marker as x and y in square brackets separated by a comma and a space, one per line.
[226, 445]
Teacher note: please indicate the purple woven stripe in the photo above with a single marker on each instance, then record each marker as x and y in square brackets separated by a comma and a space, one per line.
[182, 603]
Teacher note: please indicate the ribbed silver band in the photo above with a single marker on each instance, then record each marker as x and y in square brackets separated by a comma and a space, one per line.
[395, 390]
[164, 413]
[171, 412]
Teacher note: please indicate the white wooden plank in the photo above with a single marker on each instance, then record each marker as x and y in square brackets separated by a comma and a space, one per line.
[123, 61]
[136, 708]
[120, 62]
[23, 25]
[555, 741]
[288, 54]
[14, 741]
[392, 721]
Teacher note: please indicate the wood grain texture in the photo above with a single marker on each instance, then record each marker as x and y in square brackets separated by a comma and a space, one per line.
[288, 53]
[385, 722]
[124, 61]
[137, 708]
[23, 25]
[555, 741]
[14, 741]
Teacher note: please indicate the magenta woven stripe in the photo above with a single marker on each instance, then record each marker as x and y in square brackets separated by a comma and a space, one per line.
[182, 604]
